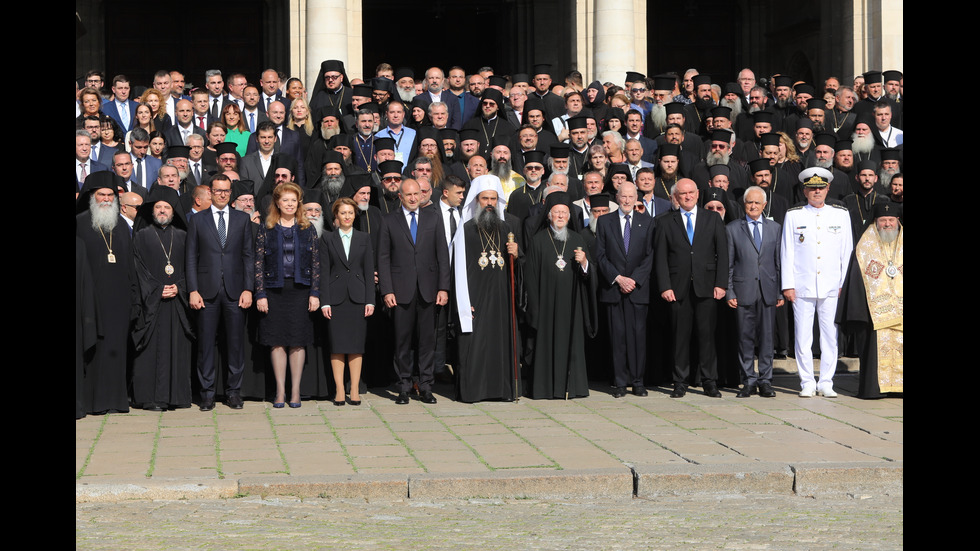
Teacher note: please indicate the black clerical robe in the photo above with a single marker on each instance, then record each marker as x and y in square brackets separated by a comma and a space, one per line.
[162, 332]
[562, 309]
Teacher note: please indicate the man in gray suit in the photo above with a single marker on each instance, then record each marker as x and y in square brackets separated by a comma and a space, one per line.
[753, 289]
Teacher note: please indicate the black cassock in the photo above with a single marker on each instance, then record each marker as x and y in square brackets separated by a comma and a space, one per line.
[486, 370]
[162, 332]
[86, 332]
[115, 285]
[562, 308]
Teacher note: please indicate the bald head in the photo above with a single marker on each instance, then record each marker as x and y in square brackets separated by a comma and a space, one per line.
[129, 202]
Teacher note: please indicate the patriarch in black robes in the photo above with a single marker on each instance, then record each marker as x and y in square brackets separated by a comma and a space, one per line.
[487, 344]
[162, 331]
[561, 303]
[110, 256]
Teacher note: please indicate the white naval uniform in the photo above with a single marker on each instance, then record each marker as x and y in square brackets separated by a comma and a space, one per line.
[816, 249]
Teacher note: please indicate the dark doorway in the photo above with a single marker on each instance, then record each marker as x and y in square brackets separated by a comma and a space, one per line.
[244, 36]
[509, 36]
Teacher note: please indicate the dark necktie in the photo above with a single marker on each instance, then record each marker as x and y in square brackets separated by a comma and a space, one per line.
[756, 235]
[197, 173]
[452, 222]
[626, 234]
[413, 227]
[214, 108]
[139, 171]
[222, 232]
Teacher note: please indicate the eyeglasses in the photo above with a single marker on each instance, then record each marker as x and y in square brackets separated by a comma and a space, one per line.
[392, 179]
[221, 191]
[530, 167]
[332, 77]
[638, 90]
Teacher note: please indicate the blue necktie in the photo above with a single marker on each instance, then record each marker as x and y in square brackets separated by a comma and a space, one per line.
[756, 235]
[222, 232]
[251, 122]
[690, 228]
[626, 234]
[413, 227]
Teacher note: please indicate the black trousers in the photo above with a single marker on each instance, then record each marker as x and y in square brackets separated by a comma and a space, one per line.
[627, 339]
[414, 323]
[221, 306]
[693, 313]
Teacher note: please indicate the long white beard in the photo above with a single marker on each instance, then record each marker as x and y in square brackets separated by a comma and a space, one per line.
[888, 236]
[862, 145]
[328, 133]
[104, 216]
[885, 178]
[317, 224]
[658, 115]
[406, 95]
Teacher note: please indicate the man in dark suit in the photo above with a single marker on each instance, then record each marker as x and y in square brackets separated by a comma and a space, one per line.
[202, 115]
[691, 253]
[287, 141]
[220, 277]
[413, 273]
[753, 289]
[434, 79]
[121, 108]
[624, 254]
[179, 132]
[144, 167]
[270, 90]
[122, 166]
[84, 163]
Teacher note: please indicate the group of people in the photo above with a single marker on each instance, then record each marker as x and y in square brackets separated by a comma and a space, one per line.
[512, 235]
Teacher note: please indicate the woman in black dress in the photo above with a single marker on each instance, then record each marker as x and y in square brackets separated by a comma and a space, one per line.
[287, 284]
[347, 289]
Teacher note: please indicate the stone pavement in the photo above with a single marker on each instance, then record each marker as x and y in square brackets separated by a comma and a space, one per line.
[597, 447]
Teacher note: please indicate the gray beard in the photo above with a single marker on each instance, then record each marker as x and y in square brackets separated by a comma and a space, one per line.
[717, 159]
[406, 95]
[888, 236]
[363, 207]
[333, 185]
[782, 102]
[104, 217]
[658, 115]
[165, 222]
[559, 171]
[535, 182]
[754, 108]
[183, 174]
[559, 235]
[317, 223]
[593, 222]
[501, 169]
[824, 164]
[488, 221]
[893, 96]
[862, 145]
[735, 106]
[328, 133]
[802, 146]
[885, 178]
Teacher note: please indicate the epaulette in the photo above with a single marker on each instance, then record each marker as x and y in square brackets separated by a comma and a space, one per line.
[798, 207]
[836, 206]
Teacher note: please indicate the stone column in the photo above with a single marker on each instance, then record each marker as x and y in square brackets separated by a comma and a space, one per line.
[615, 39]
[326, 36]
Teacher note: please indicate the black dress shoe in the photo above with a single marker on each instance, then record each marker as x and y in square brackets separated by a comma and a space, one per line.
[618, 391]
[766, 391]
[235, 401]
[747, 391]
[427, 397]
[711, 390]
[402, 398]
[679, 391]
[207, 405]
[639, 391]
[150, 406]
[340, 402]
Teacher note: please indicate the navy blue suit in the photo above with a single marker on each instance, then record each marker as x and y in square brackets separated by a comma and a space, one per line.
[151, 167]
[220, 275]
[109, 108]
[447, 97]
[627, 312]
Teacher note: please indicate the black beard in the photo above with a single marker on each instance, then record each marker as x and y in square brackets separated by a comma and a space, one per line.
[818, 127]
[703, 104]
[488, 221]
